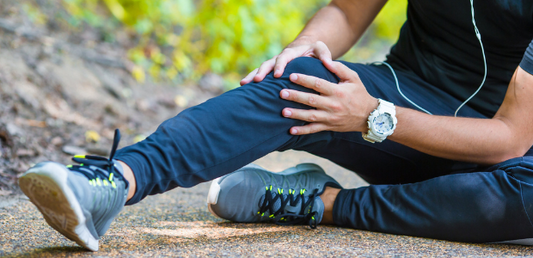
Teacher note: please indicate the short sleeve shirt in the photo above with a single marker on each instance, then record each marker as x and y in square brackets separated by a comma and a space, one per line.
[439, 44]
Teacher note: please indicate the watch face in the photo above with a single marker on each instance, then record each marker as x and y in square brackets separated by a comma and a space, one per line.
[383, 123]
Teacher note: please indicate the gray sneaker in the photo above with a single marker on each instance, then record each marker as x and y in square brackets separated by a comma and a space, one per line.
[253, 194]
[78, 201]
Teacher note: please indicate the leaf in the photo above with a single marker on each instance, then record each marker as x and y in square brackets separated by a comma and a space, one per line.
[92, 136]
[138, 73]
[116, 9]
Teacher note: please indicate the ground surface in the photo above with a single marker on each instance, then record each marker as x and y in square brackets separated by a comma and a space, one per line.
[178, 223]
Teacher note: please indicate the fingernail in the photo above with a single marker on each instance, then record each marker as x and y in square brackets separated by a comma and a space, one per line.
[294, 131]
[277, 72]
[284, 94]
[294, 77]
[287, 113]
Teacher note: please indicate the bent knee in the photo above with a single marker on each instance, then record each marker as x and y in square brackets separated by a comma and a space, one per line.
[309, 66]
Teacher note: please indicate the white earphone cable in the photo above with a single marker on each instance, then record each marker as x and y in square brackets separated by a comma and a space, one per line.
[398, 87]
[478, 35]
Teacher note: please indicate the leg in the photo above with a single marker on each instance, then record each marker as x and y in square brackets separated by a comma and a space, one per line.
[217, 137]
[240, 126]
[490, 206]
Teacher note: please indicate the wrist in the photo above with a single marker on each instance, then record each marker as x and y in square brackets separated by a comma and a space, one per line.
[303, 40]
[372, 105]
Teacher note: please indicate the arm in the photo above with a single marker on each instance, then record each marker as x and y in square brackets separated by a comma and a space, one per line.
[507, 135]
[340, 24]
[330, 33]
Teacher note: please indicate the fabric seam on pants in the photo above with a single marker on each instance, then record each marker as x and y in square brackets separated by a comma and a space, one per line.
[523, 203]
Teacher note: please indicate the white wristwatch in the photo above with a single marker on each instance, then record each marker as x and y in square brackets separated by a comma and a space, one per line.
[381, 122]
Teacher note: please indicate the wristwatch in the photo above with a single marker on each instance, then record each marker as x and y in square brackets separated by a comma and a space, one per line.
[381, 122]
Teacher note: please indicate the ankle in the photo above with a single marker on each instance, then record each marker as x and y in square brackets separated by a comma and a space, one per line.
[328, 197]
[128, 174]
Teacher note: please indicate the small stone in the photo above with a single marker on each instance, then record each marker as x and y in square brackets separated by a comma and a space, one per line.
[212, 83]
[98, 151]
[25, 153]
[181, 101]
[12, 129]
[56, 141]
[5, 193]
[167, 102]
[73, 150]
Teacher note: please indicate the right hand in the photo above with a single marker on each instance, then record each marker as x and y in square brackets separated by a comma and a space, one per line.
[317, 49]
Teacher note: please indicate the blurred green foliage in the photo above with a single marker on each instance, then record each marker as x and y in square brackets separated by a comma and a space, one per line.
[187, 38]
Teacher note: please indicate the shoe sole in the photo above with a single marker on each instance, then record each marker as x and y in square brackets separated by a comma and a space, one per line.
[214, 189]
[47, 188]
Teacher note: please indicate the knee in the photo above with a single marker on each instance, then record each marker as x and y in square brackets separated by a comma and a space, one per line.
[304, 65]
[309, 66]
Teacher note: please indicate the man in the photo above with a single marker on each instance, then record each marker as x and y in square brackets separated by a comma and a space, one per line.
[464, 178]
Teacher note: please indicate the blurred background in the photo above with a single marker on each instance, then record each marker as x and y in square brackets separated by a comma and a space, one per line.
[71, 71]
[184, 39]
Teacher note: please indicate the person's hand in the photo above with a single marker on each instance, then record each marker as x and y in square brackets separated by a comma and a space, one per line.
[342, 107]
[277, 63]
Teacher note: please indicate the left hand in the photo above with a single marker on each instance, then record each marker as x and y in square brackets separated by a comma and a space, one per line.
[342, 107]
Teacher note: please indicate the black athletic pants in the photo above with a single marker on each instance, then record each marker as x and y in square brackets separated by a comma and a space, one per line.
[412, 193]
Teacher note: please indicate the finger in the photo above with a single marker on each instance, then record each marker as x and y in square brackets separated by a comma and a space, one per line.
[281, 62]
[342, 71]
[249, 77]
[264, 69]
[322, 52]
[314, 83]
[308, 129]
[308, 115]
[309, 99]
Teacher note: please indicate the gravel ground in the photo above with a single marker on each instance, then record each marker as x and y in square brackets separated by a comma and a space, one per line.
[178, 223]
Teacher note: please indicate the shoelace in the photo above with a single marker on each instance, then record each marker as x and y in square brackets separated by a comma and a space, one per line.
[102, 164]
[292, 199]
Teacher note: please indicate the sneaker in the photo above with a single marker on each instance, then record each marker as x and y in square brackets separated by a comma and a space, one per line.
[253, 194]
[78, 201]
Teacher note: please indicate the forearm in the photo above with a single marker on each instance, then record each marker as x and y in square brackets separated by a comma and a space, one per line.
[507, 135]
[340, 24]
[483, 141]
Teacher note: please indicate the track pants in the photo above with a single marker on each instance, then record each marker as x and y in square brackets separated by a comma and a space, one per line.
[412, 193]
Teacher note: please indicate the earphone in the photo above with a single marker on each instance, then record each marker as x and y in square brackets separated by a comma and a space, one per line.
[478, 36]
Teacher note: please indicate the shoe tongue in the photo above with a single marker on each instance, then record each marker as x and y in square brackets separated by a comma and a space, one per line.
[295, 209]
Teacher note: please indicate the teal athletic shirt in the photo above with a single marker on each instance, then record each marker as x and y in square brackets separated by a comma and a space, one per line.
[438, 43]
